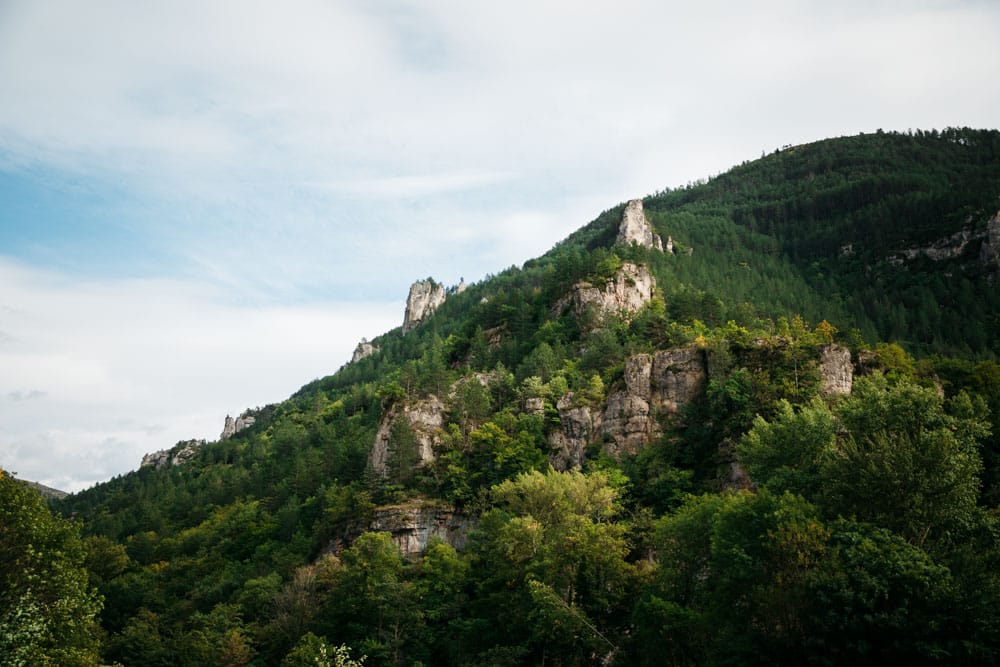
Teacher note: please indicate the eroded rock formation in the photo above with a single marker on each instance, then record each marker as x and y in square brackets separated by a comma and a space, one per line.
[413, 524]
[234, 426]
[177, 455]
[989, 252]
[425, 297]
[635, 228]
[579, 425]
[424, 418]
[836, 371]
[623, 294]
[364, 349]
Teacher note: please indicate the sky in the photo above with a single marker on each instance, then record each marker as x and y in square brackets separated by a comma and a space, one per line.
[205, 205]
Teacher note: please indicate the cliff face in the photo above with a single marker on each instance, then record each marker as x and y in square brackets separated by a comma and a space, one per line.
[989, 252]
[177, 455]
[233, 426]
[413, 525]
[636, 229]
[836, 371]
[622, 294]
[424, 417]
[425, 297]
[364, 349]
[655, 385]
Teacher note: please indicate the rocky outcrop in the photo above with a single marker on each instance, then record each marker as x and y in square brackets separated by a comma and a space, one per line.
[623, 294]
[655, 384]
[948, 247]
[678, 376]
[412, 525]
[635, 228]
[989, 252]
[179, 454]
[234, 426]
[425, 297]
[364, 349]
[579, 426]
[836, 372]
[424, 417]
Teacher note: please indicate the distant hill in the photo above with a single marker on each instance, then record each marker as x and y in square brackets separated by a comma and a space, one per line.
[45, 491]
[753, 419]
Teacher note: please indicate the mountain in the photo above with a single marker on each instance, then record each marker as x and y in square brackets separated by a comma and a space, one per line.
[751, 419]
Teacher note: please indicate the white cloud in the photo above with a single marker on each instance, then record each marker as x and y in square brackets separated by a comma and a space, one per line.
[118, 370]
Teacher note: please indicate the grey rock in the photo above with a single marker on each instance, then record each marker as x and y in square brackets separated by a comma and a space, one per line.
[425, 297]
[836, 371]
[412, 525]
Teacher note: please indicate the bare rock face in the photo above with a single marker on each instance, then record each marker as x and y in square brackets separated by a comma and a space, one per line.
[636, 229]
[413, 524]
[425, 297]
[579, 426]
[989, 252]
[425, 418]
[623, 294]
[655, 384]
[677, 376]
[233, 426]
[629, 422]
[177, 455]
[364, 349]
[835, 370]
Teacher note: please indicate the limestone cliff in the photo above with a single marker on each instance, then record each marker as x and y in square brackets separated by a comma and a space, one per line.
[177, 455]
[425, 297]
[622, 294]
[635, 228]
[579, 426]
[836, 372]
[654, 385]
[989, 252]
[413, 524]
[424, 417]
[233, 426]
[364, 349]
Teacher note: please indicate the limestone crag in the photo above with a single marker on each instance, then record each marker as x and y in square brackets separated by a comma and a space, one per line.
[836, 371]
[425, 297]
[655, 384]
[677, 376]
[628, 420]
[579, 426]
[949, 247]
[364, 349]
[413, 524]
[177, 455]
[424, 417]
[989, 252]
[623, 294]
[234, 426]
[635, 228]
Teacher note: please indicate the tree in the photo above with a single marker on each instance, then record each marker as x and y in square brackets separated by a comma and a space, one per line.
[48, 609]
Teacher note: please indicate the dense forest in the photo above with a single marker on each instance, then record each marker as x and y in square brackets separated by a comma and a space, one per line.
[678, 481]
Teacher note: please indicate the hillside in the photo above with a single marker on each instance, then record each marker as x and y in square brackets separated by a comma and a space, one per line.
[752, 419]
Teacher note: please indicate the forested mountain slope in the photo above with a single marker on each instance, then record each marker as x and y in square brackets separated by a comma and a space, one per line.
[707, 440]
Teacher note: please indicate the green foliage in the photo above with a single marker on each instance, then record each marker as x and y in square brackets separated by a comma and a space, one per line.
[47, 607]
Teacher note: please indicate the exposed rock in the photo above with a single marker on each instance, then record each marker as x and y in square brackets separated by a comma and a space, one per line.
[425, 418]
[579, 426]
[636, 229]
[46, 492]
[989, 253]
[413, 524]
[949, 247]
[835, 370]
[177, 455]
[534, 406]
[654, 384]
[234, 426]
[623, 294]
[628, 421]
[425, 297]
[678, 376]
[364, 349]
[461, 286]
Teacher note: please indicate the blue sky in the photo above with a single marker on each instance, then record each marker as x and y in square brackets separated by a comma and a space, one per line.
[205, 205]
